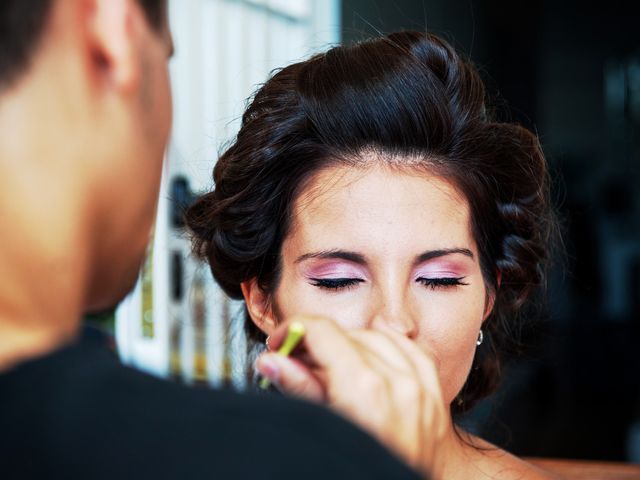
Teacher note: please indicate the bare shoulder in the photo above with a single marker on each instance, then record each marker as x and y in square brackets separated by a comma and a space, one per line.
[488, 461]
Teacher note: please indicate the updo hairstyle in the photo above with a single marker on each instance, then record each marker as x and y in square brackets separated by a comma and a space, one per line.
[408, 95]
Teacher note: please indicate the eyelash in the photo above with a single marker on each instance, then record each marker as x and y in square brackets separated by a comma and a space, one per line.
[336, 283]
[444, 282]
[346, 283]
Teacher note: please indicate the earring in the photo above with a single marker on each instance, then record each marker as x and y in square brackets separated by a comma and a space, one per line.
[480, 338]
[266, 342]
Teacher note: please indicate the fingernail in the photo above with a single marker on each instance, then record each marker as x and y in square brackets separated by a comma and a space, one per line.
[268, 368]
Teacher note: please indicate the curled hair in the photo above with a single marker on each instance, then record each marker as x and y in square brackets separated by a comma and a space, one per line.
[408, 95]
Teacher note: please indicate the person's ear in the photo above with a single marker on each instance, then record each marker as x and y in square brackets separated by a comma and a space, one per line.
[113, 27]
[259, 306]
[491, 298]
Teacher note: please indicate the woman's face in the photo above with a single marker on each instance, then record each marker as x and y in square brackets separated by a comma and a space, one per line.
[384, 248]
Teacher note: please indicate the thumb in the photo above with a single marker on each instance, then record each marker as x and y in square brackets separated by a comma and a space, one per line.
[290, 376]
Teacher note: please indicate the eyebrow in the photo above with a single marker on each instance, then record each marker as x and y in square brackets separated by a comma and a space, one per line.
[360, 259]
[334, 254]
[431, 254]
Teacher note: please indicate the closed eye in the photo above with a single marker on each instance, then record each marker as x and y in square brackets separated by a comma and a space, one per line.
[445, 282]
[335, 283]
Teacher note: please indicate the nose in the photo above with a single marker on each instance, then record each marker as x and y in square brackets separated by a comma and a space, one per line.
[392, 311]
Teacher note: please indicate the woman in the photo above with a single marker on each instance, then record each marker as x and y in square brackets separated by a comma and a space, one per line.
[371, 185]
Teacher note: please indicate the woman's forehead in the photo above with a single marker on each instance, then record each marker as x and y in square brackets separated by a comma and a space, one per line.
[356, 204]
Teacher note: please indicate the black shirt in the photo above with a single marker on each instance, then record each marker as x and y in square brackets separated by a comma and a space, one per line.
[79, 413]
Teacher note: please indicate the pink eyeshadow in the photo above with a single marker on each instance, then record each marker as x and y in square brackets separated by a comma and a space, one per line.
[334, 269]
[442, 269]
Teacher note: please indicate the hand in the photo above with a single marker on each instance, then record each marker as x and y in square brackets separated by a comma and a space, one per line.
[382, 381]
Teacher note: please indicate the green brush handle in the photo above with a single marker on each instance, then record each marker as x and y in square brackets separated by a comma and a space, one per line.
[295, 333]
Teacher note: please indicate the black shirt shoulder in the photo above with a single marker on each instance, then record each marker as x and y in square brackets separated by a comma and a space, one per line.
[79, 413]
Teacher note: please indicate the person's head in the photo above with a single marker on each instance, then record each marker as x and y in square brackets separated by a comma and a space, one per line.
[370, 184]
[84, 92]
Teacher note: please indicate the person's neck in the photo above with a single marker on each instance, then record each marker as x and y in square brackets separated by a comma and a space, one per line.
[452, 458]
[44, 233]
[464, 456]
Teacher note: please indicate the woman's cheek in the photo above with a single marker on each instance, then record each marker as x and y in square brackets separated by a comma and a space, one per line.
[450, 330]
[345, 309]
[455, 366]
[348, 310]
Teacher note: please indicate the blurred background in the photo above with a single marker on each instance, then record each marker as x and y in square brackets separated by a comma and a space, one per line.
[568, 70]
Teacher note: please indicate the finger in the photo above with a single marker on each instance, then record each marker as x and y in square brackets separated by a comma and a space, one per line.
[291, 376]
[384, 350]
[407, 391]
[434, 416]
[421, 358]
[412, 366]
[326, 346]
[402, 354]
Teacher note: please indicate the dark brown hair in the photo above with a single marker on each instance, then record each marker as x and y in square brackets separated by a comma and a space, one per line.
[22, 23]
[407, 95]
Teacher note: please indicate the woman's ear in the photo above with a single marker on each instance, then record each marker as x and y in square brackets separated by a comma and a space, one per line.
[491, 298]
[259, 306]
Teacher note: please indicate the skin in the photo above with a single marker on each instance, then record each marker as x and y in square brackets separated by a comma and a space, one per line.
[82, 140]
[378, 216]
[400, 290]
[387, 250]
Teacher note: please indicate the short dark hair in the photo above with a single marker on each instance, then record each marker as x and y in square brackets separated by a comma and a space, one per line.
[22, 23]
[405, 95]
